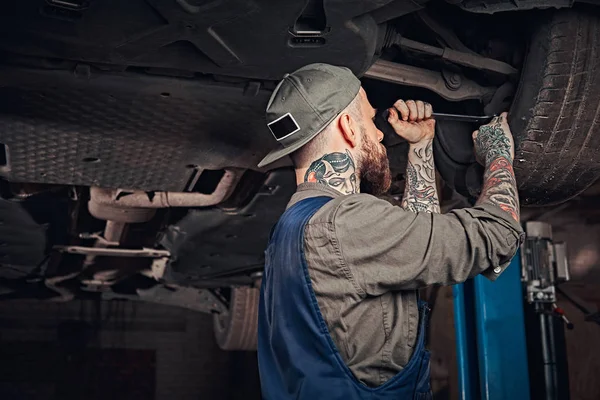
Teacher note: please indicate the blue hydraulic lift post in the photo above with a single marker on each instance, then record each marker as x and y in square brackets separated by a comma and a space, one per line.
[500, 370]
[466, 351]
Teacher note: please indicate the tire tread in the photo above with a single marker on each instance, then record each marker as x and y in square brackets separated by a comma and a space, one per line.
[559, 129]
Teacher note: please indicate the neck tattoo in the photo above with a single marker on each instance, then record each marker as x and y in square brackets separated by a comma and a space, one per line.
[336, 170]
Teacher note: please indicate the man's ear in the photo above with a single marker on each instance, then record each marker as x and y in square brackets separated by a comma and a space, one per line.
[350, 130]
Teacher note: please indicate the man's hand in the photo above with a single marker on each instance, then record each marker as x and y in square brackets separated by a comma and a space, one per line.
[494, 140]
[412, 120]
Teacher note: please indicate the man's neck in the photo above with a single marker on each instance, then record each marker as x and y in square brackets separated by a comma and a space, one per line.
[336, 170]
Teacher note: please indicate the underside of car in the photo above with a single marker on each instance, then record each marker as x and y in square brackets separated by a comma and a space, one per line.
[132, 129]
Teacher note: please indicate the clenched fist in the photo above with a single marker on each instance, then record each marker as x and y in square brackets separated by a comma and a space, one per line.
[412, 120]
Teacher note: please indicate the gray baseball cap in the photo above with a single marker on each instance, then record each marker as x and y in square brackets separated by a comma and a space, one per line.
[304, 103]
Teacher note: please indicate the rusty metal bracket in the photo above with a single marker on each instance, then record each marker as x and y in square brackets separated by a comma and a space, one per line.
[413, 76]
[120, 198]
[458, 57]
[101, 240]
[445, 36]
[110, 252]
[156, 271]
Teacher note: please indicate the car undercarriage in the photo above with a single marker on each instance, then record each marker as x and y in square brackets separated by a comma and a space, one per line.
[132, 130]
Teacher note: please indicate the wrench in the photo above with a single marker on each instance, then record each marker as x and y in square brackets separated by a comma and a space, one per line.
[480, 119]
[391, 138]
[451, 117]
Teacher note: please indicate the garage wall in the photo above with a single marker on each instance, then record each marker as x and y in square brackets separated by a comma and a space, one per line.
[577, 223]
[168, 349]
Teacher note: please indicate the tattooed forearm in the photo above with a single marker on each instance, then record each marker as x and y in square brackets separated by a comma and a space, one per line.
[500, 187]
[494, 146]
[420, 194]
[492, 141]
[336, 170]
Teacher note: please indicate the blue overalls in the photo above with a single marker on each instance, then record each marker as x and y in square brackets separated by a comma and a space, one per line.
[296, 356]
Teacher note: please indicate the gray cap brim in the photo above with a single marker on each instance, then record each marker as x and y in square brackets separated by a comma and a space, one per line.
[284, 151]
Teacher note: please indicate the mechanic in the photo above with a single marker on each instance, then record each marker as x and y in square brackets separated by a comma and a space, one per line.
[339, 315]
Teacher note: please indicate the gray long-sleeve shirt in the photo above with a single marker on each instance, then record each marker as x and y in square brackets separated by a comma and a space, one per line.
[366, 257]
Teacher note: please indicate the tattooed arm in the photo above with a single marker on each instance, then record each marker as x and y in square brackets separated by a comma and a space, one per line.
[420, 193]
[495, 149]
[412, 121]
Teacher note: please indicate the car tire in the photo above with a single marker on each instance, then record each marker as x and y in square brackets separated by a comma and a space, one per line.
[555, 116]
[238, 328]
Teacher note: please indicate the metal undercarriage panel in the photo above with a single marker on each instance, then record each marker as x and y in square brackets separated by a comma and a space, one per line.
[209, 243]
[127, 130]
[247, 38]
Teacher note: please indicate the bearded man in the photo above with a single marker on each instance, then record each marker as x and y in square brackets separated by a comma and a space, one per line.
[339, 314]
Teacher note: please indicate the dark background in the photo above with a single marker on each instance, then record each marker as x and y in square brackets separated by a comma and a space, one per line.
[118, 350]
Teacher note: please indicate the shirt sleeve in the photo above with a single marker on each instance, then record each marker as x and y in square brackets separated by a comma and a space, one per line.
[387, 248]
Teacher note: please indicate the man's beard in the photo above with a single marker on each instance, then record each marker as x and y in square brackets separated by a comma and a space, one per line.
[375, 174]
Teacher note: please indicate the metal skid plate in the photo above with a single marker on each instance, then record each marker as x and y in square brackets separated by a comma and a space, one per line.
[256, 38]
[67, 120]
[130, 131]
[214, 242]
